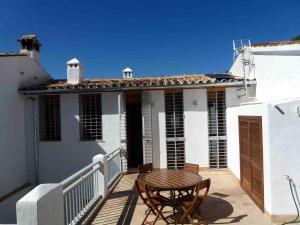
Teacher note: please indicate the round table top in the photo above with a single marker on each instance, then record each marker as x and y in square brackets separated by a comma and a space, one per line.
[169, 179]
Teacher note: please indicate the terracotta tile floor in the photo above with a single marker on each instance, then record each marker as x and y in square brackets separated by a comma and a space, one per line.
[227, 203]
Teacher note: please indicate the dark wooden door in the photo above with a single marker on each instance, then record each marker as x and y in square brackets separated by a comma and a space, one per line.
[251, 158]
[134, 130]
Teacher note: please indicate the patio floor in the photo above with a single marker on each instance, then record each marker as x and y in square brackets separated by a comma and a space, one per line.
[227, 203]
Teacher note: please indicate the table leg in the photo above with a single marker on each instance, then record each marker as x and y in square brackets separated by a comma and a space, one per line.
[173, 198]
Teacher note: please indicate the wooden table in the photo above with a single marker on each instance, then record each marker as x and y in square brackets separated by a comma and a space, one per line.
[171, 180]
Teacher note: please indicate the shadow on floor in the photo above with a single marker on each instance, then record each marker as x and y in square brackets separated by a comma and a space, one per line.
[128, 210]
[119, 207]
[216, 210]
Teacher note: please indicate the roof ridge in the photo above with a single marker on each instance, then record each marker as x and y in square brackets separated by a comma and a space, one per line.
[275, 43]
[141, 82]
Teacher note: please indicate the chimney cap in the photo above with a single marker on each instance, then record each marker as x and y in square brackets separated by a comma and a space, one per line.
[73, 61]
[30, 37]
[127, 70]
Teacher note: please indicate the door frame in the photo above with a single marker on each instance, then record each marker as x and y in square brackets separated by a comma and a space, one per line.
[133, 97]
[252, 119]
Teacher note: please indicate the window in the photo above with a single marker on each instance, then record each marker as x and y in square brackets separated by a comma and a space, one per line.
[175, 129]
[49, 118]
[90, 110]
[216, 103]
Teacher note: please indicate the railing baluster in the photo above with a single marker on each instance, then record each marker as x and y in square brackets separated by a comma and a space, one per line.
[73, 205]
[70, 208]
[80, 201]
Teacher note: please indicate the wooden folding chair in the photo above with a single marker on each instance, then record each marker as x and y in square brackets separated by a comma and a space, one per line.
[145, 168]
[154, 202]
[194, 168]
[190, 203]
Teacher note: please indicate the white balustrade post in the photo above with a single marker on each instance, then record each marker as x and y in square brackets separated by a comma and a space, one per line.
[42, 206]
[103, 175]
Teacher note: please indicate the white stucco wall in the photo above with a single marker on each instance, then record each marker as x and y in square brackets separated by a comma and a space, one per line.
[278, 77]
[58, 160]
[16, 71]
[284, 133]
[277, 74]
[196, 126]
[158, 129]
[233, 145]
[275, 68]
[15, 169]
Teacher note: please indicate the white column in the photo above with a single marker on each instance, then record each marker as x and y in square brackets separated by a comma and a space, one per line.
[42, 206]
[103, 175]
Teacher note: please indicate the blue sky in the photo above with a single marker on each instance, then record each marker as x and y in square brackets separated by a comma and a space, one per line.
[156, 37]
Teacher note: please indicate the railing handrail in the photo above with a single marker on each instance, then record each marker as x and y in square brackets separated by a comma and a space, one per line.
[86, 169]
[72, 185]
[112, 154]
[78, 174]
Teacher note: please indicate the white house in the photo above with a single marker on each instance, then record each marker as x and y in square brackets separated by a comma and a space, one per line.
[18, 69]
[207, 119]
[268, 126]
[168, 120]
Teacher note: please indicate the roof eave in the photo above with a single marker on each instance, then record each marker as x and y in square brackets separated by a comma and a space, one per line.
[116, 89]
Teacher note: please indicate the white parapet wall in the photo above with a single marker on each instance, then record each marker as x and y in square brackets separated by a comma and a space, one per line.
[42, 206]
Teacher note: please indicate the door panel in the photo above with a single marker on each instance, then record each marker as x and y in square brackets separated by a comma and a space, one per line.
[251, 157]
[175, 129]
[147, 127]
[216, 103]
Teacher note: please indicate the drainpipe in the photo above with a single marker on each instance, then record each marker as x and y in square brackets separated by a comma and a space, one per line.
[36, 158]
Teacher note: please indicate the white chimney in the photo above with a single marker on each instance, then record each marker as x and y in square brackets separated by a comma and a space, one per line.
[74, 71]
[31, 46]
[127, 73]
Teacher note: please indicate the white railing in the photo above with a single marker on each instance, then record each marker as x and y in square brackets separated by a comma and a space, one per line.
[84, 188]
[71, 200]
[80, 192]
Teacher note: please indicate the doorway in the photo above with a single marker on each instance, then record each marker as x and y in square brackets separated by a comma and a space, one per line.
[134, 129]
[251, 158]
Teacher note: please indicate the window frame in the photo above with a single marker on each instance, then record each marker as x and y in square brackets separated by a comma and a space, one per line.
[42, 127]
[82, 137]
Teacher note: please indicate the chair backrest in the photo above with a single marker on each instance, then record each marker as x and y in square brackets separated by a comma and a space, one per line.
[145, 168]
[204, 184]
[141, 187]
[144, 192]
[194, 168]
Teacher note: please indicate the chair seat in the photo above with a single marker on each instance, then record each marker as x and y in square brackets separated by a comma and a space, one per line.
[159, 200]
[187, 200]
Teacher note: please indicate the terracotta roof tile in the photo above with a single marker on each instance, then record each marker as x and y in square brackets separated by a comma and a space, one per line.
[138, 82]
[2, 54]
[278, 43]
